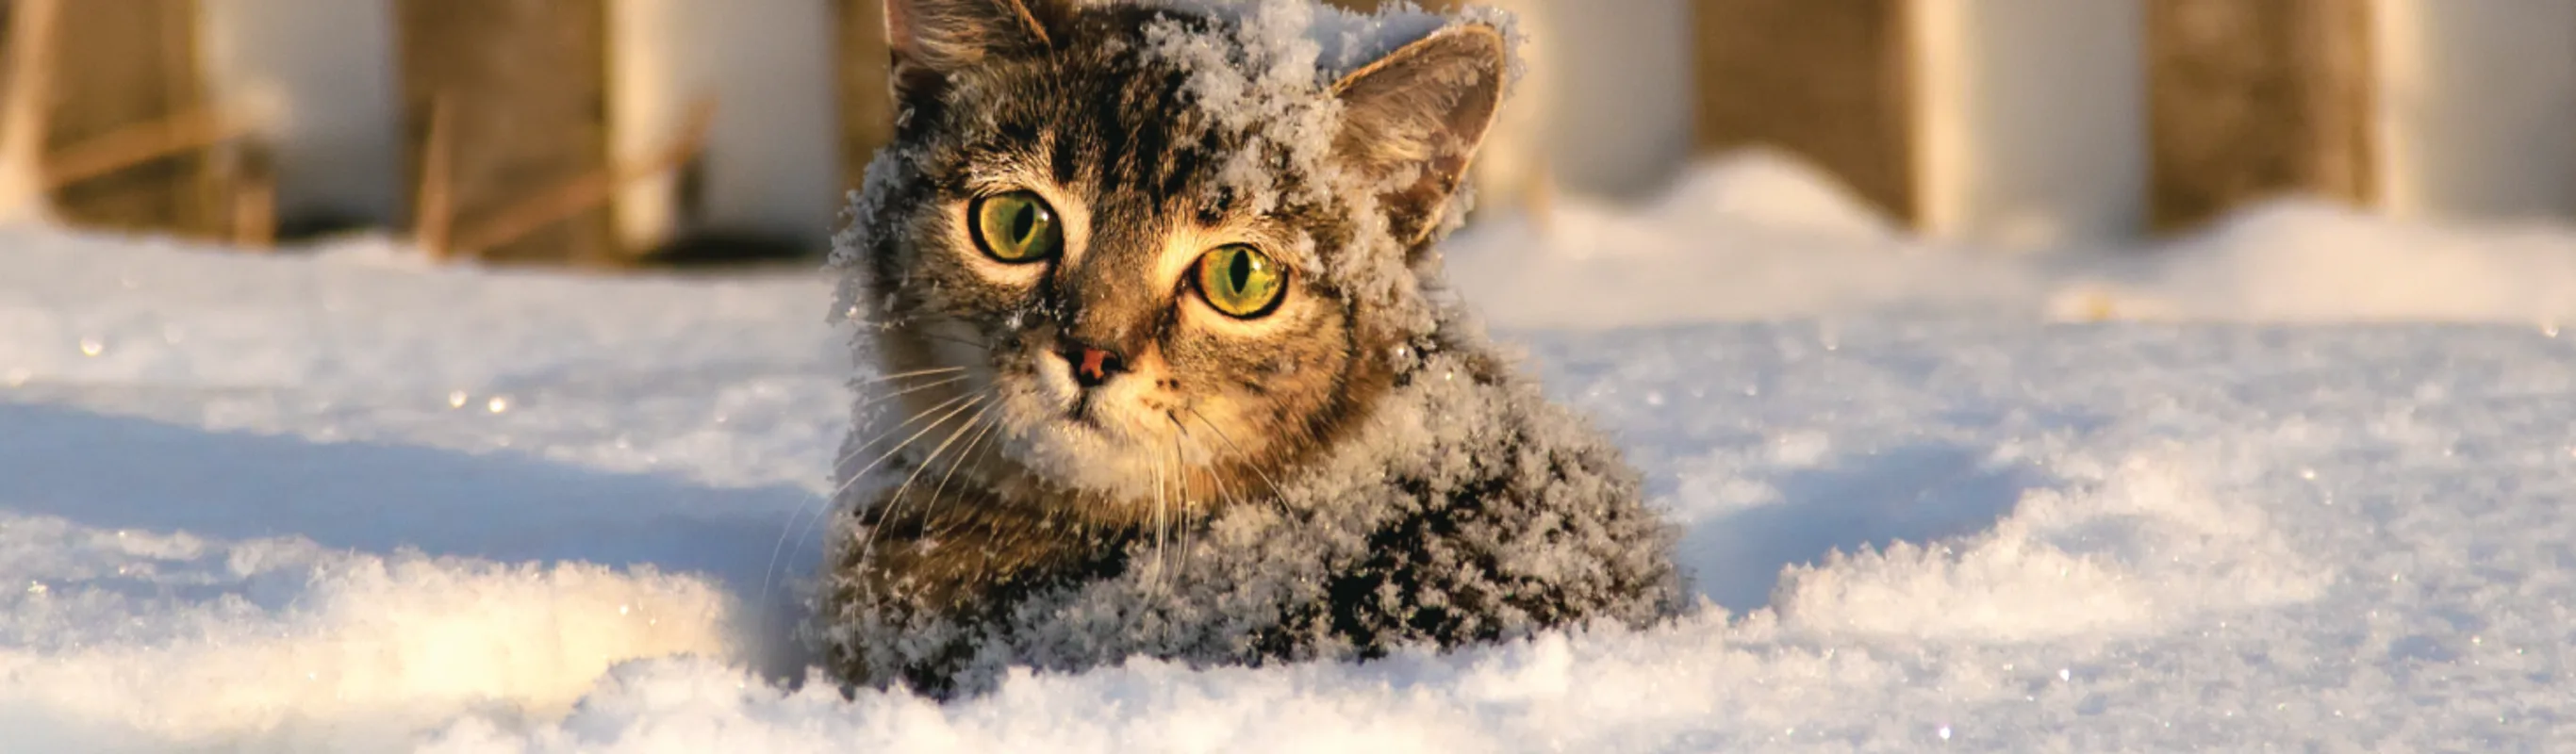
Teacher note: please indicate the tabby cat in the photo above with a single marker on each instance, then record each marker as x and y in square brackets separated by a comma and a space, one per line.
[1166, 367]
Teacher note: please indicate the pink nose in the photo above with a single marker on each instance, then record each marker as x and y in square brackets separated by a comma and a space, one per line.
[1094, 363]
[1093, 366]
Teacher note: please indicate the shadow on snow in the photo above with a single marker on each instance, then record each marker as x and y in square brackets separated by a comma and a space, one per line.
[1915, 493]
[113, 472]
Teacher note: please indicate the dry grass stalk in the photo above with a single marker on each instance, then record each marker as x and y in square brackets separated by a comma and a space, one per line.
[571, 198]
[434, 217]
[34, 27]
[139, 143]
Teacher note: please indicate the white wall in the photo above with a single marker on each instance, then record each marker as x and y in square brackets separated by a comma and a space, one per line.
[646, 109]
[1619, 90]
[320, 76]
[2033, 119]
[2478, 107]
[772, 161]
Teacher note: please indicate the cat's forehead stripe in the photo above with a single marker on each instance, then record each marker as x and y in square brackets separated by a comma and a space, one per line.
[1119, 134]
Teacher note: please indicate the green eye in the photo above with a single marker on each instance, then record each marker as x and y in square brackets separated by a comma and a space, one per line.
[1241, 281]
[1016, 227]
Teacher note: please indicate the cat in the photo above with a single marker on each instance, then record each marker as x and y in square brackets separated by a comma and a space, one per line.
[1167, 368]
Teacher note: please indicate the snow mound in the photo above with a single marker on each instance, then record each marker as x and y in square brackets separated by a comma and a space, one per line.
[2136, 553]
[2300, 261]
[1750, 235]
[1767, 187]
[1759, 235]
[153, 640]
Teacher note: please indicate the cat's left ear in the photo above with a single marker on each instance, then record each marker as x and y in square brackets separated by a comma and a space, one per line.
[930, 39]
[1414, 118]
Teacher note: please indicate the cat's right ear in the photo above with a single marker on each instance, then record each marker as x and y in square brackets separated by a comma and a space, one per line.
[930, 39]
[1413, 120]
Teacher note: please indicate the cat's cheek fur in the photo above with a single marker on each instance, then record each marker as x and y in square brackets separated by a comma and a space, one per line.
[1263, 385]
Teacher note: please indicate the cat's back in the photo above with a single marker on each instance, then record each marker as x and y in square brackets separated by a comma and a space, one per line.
[1492, 512]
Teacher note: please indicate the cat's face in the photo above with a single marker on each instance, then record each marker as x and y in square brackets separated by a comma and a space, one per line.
[1095, 302]
[1115, 341]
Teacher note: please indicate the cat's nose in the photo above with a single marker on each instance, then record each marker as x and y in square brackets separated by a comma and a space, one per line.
[1092, 365]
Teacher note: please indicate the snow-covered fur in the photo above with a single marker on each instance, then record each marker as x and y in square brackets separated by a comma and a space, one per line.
[1076, 456]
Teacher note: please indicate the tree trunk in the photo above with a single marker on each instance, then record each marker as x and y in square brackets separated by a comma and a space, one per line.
[119, 65]
[1831, 81]
[867, 99]
[2251, 100]
[526, 87]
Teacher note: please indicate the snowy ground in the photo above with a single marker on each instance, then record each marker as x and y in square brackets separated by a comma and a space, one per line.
[330, 504]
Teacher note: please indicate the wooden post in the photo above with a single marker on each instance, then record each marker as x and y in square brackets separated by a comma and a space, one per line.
[1829, 80]
[2250, 100]
[1825, 81]
[123, 68]
[526, 86]
[34, 25]
[866, 98]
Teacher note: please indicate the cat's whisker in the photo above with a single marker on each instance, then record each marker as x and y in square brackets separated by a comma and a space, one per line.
[889, 453]
[1154, 582]
[856, 449]
[892, 504]
[980, 345]
[905, 375]
[1186, 530]
[799, 521]
[1244, 458]
[898, 428]
[876, 399]
[886, 517]
[1173, 520]
[973, 444]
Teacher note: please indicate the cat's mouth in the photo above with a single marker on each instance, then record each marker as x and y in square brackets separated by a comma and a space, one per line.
[1113, 417]
[1083, 412]
[1096, 411]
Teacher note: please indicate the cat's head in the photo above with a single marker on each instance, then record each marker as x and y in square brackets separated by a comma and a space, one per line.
[1123, 251]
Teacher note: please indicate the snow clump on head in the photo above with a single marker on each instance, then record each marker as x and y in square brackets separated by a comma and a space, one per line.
[1272, 71]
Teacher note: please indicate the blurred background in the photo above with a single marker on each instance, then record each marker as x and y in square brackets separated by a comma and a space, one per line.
[611, 133]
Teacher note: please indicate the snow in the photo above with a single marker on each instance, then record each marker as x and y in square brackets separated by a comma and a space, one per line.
[2304, 486]
[1757, 235]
